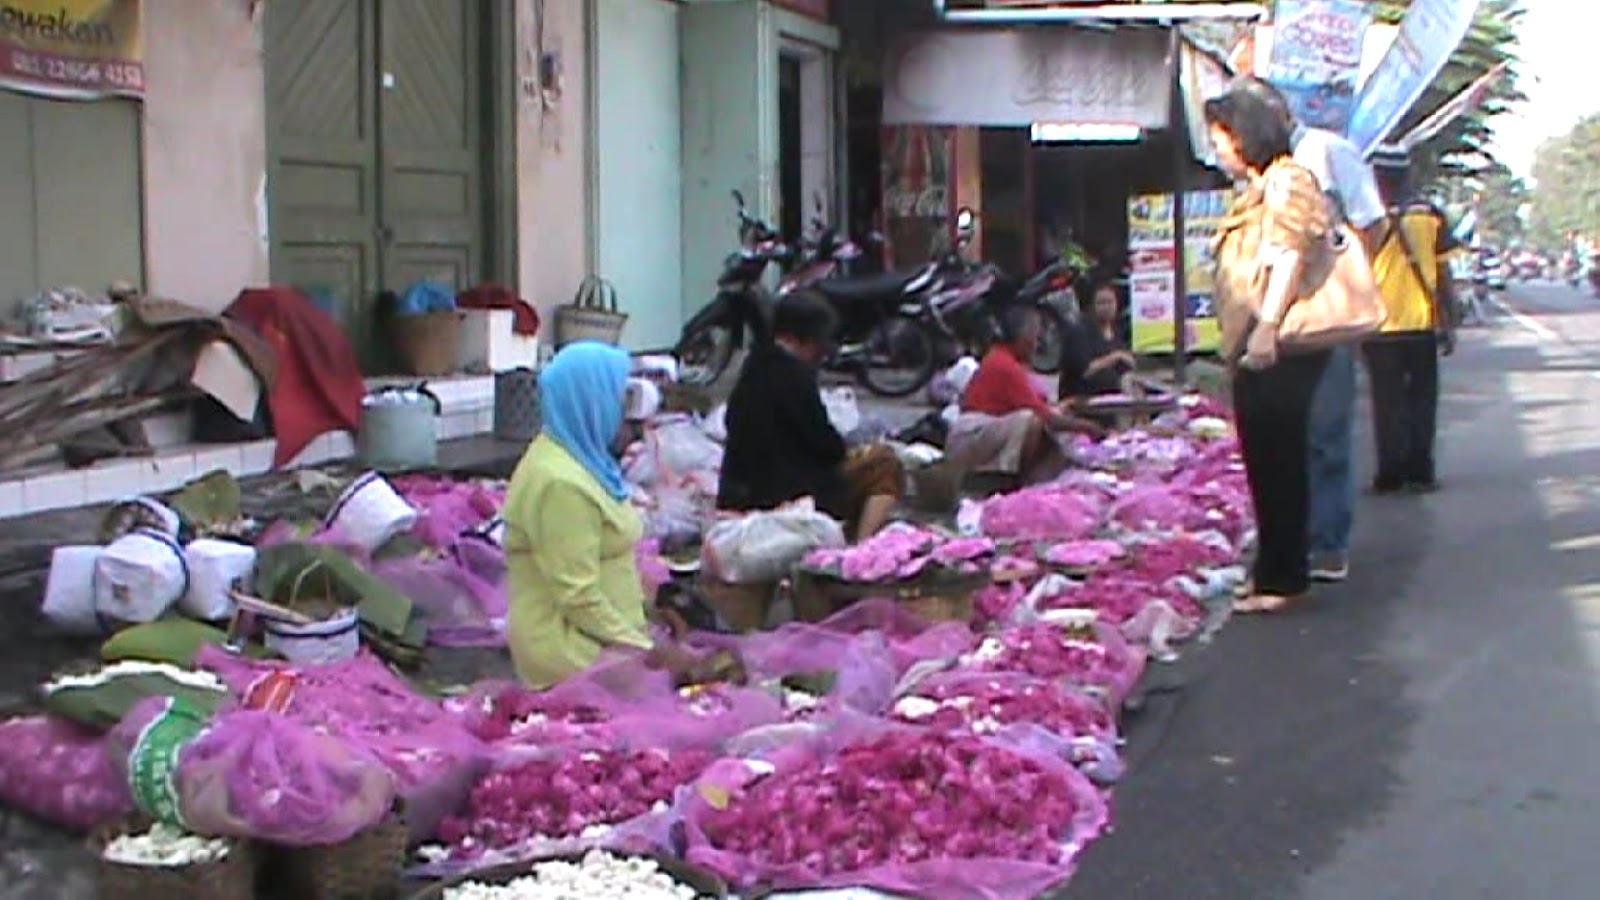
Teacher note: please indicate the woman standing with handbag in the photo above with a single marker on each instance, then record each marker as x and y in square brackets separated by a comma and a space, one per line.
[1276, 227]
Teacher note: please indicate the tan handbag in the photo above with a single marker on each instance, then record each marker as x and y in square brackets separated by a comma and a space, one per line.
[1339, 301]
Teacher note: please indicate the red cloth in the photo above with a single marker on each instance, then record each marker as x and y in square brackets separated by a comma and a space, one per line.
[1001, 386]
[524, 318]
[319, 386]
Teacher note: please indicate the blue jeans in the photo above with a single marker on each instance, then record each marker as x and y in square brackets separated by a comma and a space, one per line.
[1333, 485]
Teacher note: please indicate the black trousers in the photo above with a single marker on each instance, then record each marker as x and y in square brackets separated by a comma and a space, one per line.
[1404, 370]
[1273, 409]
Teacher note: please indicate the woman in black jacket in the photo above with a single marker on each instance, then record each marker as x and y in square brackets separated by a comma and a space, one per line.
[781, 446]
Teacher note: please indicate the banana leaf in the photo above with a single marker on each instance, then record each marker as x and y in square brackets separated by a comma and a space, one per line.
[102, 706]
[211, 503]
[314, 578]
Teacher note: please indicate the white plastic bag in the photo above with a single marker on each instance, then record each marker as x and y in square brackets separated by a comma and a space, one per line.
[215, 567]
[139, 577]
[673, 449]
[843, 411]
[69, 593]
[762, 547]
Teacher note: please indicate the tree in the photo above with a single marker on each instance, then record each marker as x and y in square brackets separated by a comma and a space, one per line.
[1566, 196]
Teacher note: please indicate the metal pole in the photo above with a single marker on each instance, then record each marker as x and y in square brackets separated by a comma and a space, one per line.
[1180, 169]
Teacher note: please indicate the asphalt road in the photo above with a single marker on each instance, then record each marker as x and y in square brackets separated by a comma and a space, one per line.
[1432, 728]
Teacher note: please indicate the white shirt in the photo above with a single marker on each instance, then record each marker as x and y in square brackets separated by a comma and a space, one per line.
[1342, 172]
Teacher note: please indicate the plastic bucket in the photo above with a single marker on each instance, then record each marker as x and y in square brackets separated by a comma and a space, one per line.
[332, 640]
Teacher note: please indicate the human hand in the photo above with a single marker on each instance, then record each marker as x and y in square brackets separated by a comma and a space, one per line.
[1126, 357]
[1261, 350]
[674, 659]
[1447, 343]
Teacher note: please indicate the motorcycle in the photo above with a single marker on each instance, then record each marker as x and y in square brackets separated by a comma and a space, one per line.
[877, 340]
[739, 313]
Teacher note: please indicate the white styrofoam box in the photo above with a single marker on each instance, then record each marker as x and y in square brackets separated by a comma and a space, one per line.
[489, 340]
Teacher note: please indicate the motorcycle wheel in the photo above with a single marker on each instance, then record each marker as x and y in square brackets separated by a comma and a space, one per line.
[705, 354]
[901, 356]
[1047, 357]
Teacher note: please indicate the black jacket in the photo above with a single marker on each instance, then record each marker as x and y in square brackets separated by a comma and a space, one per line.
[781, 445]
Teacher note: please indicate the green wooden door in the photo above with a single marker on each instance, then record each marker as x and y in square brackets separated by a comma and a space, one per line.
[430, 122]
[323, 165]
[376, 134]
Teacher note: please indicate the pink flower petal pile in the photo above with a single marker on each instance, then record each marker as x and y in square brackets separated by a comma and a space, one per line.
[900, 553]
[982, 705]
[904, 798]
[562, 796]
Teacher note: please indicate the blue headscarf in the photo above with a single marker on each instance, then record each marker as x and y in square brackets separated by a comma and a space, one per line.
[580, 405]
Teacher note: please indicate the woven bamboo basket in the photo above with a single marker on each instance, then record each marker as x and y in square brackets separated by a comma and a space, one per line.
[231, 878]
[936, 488]
[704, 883]
[744, 607]
[592, 315]
[366, 867]
[429, 344]
[937, 599]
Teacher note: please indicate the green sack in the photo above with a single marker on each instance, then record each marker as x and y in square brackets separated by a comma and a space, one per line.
[176, 641]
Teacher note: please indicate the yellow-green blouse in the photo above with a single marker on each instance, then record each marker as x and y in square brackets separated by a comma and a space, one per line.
[573, 580]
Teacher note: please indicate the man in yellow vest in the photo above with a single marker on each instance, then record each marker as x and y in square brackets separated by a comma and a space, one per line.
[1414, 277]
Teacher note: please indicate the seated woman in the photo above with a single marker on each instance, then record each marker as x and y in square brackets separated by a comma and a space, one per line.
[1095, 358]
[781, 446]
[570, 532]
[1006, 426]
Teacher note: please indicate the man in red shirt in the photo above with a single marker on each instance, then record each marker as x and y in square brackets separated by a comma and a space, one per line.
[1006, 425]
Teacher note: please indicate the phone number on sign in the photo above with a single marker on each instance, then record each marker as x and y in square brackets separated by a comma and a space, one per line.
[78, 72]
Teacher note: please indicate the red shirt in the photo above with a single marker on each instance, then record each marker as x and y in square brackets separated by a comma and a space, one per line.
[1002, 386]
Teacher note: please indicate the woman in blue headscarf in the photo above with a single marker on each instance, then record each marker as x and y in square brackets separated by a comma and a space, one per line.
[570, 532]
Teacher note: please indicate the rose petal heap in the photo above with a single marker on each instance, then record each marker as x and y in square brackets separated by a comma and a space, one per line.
[1061, 511]
[985, 705]
[1085, 657]
[563, 795]
[902, 552]
[517, 712]
[903, 798]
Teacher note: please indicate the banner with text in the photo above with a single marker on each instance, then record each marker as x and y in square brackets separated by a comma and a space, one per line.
[72, 49]
[1429, 34]
[1316, 58]
[1152, 280]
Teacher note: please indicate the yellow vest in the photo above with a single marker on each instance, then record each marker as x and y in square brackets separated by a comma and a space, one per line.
[1408, 301]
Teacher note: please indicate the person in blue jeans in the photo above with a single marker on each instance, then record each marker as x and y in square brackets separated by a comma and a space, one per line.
[1353, 195]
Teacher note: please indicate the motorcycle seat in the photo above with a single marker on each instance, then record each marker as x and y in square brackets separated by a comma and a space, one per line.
[866, 288]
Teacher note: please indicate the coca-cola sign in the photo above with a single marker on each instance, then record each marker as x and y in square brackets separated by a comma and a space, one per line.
[1017, 77]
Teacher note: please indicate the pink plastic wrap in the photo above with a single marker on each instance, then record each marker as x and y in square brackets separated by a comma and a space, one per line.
[447, 508]
[55, 771]
[433, 758]
[863, 665]
[460, 592]
[910, 639]
[618, 702]
[871, 804]
[263, 776]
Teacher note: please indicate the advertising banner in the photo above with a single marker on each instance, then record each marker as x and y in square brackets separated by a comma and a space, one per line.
[1316, 58]
[1152, 281]
[72, 49]
[1429, 34]
[918, 180]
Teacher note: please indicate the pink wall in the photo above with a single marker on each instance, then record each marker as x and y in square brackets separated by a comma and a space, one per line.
[552, 149]
[204, 150]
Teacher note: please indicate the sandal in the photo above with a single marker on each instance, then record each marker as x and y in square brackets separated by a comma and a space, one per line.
[1264, 604]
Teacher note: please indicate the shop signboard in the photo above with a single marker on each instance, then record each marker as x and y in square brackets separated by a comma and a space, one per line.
[72, 49]
[1316, 57]
[1429, 34]
[1152, 281]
